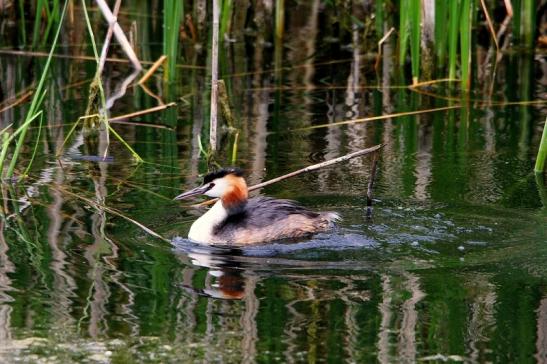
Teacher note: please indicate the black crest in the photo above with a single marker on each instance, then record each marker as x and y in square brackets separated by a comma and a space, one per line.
[221, 173]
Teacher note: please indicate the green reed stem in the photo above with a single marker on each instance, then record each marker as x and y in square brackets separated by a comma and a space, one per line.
[172, 17]
[467, 14]
[528, 21]
[415, 17]
[453, 22]
[379, 18]
[542, 151]
[23, 22]
[279, 19]
[225, 18]
[52, 16]
[404, 30]
[441, 35]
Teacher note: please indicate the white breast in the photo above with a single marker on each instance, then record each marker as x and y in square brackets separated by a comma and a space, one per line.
[202, 229]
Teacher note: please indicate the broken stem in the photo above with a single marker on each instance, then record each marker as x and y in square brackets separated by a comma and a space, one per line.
[152, 69]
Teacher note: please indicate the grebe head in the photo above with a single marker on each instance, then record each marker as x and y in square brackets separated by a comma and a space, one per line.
[227, 183]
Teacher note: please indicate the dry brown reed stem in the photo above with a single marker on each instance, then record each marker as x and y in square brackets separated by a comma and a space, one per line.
[18, 101]
[143, 112]
[380, 43]
[214, 78]
[152, 69]
[108, 38]
[84, 58]
[311, 168]
[379, 117]
[133, 123]
[119, 34]
[364, 56]
[490, 25]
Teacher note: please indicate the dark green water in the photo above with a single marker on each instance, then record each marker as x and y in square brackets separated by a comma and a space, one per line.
[451, 267]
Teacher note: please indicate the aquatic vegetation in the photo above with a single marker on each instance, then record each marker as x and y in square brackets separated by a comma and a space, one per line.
[33, 113]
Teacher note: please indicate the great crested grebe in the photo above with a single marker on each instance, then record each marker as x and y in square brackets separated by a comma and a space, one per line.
[237, 219]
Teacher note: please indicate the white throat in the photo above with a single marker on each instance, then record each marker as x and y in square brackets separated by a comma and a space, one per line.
[202, 229]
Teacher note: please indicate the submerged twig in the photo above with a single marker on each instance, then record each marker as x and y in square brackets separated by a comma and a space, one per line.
[151, 94]
[311, 168]
[371, 184]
